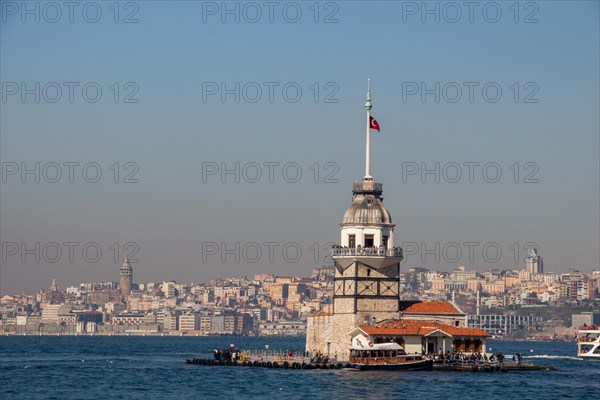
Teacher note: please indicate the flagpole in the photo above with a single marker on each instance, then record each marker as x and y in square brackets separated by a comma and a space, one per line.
[368, 149]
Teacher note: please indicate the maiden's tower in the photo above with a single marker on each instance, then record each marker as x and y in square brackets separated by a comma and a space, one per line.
[367, 266]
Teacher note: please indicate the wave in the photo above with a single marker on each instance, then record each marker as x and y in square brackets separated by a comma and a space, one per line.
[553, 357]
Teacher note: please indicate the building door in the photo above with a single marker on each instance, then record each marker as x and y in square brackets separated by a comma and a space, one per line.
[352, 241]
[369, 240]
[430, 347]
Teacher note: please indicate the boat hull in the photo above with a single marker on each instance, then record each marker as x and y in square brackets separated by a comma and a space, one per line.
[421, 365]
[589, 357]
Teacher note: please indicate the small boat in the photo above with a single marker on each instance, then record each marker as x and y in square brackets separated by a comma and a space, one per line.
[588, 342]
[387, 356]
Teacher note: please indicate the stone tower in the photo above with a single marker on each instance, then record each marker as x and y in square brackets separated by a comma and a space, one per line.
[125, 278]
[367, 268]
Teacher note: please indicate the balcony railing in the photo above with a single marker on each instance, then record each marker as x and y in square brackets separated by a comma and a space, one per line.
[366, 252]
[367, 187]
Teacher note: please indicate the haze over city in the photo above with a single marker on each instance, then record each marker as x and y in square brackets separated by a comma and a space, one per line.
[489, 136]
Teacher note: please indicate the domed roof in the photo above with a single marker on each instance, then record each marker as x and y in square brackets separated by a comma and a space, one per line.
[366, 209]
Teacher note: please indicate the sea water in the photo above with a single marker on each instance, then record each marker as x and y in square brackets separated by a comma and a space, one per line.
[153, 367]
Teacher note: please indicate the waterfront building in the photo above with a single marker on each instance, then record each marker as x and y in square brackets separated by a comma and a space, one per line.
[51, 312]
[421, 336]
[507, 325]
[229, 323]
[67, 319]
[128, 319]
[282, 328]
[189, 322]
[244, 324]
[205, 324]
[217, 324]
[588, 318]
[170, 320]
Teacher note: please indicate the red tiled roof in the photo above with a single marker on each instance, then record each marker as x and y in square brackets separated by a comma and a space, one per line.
[431, 307]
[419, 328]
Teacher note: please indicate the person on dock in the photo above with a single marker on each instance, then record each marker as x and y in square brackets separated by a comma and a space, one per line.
[500, 358]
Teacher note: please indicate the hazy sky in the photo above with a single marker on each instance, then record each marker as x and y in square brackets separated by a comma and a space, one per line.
[175, 92]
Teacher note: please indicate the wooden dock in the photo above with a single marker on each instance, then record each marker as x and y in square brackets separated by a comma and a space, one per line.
[459, 367]
[267, 364]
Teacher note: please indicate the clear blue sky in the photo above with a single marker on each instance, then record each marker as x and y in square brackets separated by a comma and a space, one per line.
[178, 50]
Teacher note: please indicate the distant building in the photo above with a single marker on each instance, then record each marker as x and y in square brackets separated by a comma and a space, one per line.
[189, 322]
[168, 289]
[245, 324]
[279, 292]
[441, 311]
[533, 262]
[101, 297]
[50, 312]
[51, 296]
[171, 320]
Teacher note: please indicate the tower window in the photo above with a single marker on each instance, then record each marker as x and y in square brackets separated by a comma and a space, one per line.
[369, 240]
[352, 241]
[368, 271]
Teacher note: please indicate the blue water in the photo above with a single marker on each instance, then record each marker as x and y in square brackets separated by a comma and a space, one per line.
[154, 368]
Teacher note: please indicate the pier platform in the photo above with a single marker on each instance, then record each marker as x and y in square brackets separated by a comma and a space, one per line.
[490, 367]
[459, 367]
[267, 364]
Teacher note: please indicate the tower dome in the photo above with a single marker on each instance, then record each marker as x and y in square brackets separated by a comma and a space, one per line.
[367, 209]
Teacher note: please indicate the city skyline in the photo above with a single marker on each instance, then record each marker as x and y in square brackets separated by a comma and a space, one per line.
[126, 272]
[177, 170]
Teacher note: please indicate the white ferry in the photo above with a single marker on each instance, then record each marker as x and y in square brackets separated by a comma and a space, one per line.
[588, 342]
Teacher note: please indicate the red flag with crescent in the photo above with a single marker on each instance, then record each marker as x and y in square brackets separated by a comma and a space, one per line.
[374, 124]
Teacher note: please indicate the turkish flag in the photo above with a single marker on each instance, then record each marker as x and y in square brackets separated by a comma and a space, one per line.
[374, 124]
